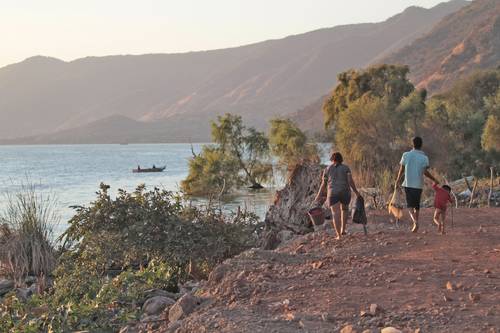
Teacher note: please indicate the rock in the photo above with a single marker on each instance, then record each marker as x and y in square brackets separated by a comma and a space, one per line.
[30, 280]
[327, 317]
[474, 297]
[129, 329]
[375, 309]
[390, 330]
[160, 292]
[300, 249]
[348, 329]
[173, 326]
[149, 318]
[218, 274]
[24, 293]
[183, 307]
[6, 286]
[155, 305]
[317, 265]
[284, 236]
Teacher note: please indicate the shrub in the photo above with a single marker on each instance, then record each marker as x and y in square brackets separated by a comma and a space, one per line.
[116, 249]
[26, 239]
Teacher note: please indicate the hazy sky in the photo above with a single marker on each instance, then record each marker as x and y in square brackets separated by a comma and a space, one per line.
[69, 29]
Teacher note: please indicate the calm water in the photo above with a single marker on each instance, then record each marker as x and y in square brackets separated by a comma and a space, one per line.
[73, 172]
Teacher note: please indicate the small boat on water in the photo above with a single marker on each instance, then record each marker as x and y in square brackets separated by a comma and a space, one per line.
[153, 169]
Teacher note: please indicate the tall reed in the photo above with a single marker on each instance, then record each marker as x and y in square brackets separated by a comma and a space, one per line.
[26, 234]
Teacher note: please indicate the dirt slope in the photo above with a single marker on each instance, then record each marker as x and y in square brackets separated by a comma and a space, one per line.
[317, 284]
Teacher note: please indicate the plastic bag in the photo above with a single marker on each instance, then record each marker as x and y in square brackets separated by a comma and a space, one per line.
[396, 204]
[359, 215]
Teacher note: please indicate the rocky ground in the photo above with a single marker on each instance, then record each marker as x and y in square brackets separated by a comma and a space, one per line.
[421, 282]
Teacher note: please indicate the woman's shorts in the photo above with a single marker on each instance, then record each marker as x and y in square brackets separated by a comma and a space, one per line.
[413, 196]
[343, 197]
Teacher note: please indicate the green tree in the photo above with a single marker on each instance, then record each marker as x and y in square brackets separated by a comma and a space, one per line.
[290, 144]
[238, 157]
[369, 110]
[413, 106]
[383, 81]
[458, 120]
[211, 173]
[368, 135]
[245, 145]
[491, 133]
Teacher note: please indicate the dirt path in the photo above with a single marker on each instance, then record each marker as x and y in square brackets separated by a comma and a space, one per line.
[317, 284]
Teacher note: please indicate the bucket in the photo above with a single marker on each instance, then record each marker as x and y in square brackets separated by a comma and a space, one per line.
[317, 215]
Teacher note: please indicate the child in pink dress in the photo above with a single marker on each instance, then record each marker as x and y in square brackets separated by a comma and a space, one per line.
[441, 200]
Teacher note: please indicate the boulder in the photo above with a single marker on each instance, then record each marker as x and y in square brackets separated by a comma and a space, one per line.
[129, 329]
[291, 204]
[172, 327]
[284, 236]
[348, 329]
[155, 305]
[24, 293]
[390, 330]
[6, 286]
[183, 307]
[160, 292]
[375, 309]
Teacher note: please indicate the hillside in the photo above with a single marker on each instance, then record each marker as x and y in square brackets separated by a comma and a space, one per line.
[422, 282]
[460, 44]
[118, 129]
[44, 95]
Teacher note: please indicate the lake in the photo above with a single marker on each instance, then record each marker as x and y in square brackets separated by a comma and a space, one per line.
[72, 173]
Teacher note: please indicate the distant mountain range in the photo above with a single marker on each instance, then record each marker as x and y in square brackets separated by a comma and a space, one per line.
[463, 42]
[172, 97]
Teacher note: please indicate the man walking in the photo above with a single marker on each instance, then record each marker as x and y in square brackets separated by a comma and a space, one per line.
[414, 165]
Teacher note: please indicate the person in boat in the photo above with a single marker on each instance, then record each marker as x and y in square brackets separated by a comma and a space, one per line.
[138, 167]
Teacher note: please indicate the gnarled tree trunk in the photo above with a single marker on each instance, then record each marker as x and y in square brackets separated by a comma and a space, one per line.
[291, 205]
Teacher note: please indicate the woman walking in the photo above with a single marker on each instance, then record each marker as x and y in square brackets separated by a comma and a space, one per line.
[337, 179]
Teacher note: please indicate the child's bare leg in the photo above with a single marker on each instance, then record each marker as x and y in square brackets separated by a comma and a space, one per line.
[436, 218]
[442, 218]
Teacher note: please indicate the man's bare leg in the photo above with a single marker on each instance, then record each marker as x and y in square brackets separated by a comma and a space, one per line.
[414, 212]
[336, 219]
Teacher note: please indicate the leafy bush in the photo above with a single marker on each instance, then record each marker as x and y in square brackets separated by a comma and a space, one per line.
[117, 248]
[135, 228]
[107, 305]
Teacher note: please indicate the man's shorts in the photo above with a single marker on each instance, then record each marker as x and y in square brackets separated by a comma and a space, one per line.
[343, 197]
[413, 196]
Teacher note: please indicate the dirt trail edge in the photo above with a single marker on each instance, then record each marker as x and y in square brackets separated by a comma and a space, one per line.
[421, 282]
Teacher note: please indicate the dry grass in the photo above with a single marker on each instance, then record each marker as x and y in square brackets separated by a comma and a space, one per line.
[26, 234]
